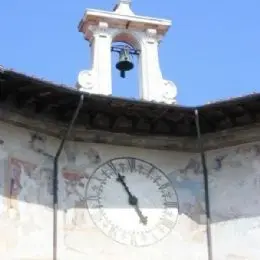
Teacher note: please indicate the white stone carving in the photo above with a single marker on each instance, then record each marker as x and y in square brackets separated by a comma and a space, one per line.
[100, 29]
[151, 35]
[86, 81]
[165, 92]
[169, 92]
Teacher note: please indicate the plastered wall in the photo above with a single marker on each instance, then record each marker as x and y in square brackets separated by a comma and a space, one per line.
[26, 215]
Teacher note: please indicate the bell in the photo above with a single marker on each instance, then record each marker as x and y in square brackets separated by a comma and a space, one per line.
[124, 63]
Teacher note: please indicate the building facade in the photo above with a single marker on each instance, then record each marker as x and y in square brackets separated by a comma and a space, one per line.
[29, 142]
[130, 176]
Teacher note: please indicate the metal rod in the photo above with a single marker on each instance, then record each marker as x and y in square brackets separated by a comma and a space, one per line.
[120, 48]
[206, 185]
[55, 176]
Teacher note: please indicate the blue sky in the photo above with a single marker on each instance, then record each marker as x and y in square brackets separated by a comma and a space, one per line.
[211, 52]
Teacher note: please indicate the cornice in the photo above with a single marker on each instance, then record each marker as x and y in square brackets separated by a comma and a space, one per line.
[51, 127]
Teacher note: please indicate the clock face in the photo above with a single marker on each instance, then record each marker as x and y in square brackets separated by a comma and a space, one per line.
[132, 201]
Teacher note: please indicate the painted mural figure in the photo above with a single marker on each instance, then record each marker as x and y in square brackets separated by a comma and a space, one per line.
[75, 177]
[45, 196]
[74, 193]
[16, 172]
[19, 172]
[30, 184]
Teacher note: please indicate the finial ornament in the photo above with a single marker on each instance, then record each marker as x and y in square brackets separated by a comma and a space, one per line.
[124, 7]
[125, 2]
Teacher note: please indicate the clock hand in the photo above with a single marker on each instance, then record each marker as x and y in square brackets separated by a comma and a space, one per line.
[121, 179]
[143, 219]
[132, 200]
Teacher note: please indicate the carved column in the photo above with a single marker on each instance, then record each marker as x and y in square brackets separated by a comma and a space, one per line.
[152, 85]
[98, 79]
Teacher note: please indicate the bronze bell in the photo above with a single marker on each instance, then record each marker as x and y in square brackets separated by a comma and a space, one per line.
[124, 63]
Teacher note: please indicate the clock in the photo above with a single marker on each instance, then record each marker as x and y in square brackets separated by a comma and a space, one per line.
[132, 201]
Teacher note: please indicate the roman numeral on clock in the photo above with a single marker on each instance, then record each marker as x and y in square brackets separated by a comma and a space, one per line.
[132, 164]
[112, 231]
[133, 240]
[164, 186]
[106, 174]
[167, 223]
[99, 179]
[150, 171]
[171, 204]
[93, 198]
[112, 167]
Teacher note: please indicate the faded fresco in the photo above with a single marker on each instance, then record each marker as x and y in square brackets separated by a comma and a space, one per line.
[235, 200]
[234, 185]
[27, 217]
[75, 174]
[26, 198]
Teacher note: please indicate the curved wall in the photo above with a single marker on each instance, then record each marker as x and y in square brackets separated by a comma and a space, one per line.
[26, 160]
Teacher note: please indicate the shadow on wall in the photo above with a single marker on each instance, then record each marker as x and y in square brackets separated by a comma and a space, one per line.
[234, 179]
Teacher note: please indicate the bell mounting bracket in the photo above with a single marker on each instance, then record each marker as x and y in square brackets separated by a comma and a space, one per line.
[119, 48]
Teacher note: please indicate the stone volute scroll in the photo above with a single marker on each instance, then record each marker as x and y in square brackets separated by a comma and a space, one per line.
[102, 28]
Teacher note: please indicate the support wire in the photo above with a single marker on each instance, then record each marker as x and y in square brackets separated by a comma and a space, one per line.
[206, 185]
[55, 176]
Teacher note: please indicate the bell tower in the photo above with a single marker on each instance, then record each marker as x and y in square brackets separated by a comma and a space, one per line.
[102, 28]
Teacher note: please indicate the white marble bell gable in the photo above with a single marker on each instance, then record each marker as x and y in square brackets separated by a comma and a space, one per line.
[122, 25]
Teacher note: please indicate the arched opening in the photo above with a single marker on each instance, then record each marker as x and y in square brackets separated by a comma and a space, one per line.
[127, 38]
[128, 86]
